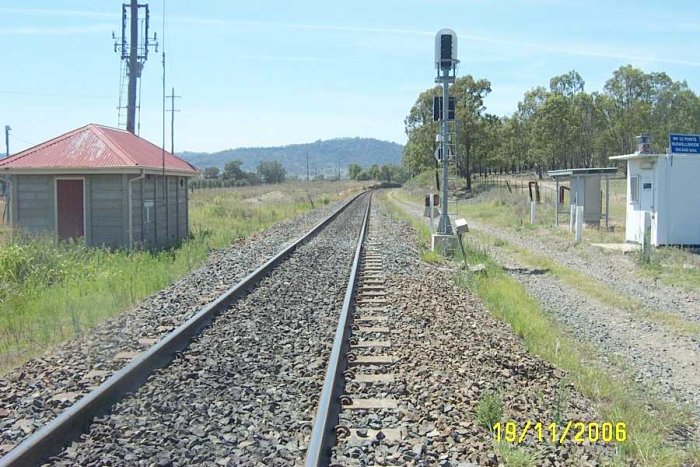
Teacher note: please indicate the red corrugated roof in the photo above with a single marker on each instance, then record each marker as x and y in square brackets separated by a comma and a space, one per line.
[96, 147]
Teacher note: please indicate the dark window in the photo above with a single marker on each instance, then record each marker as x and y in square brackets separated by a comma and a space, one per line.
[446, 47]
[437, 108]
[647, 186]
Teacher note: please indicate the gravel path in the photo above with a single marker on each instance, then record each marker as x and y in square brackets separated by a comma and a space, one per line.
[245, 392]
[614, 269]
[449, 353]
[36, 392]
[666, 362]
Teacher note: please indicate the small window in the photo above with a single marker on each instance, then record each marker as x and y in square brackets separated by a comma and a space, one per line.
[634, 189]
[647, 186]
[148, 206]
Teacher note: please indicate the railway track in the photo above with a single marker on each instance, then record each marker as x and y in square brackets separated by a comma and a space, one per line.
[399, 369]
[296, 293]
[359, 379]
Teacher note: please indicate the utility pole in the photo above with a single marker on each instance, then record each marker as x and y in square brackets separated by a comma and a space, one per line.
[172, 111]
[7, 140]
[134, 54]
[134, 70]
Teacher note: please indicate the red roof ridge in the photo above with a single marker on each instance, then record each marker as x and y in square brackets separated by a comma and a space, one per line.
[97, 130]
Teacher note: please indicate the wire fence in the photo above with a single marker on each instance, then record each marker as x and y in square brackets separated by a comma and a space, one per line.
[544, 193]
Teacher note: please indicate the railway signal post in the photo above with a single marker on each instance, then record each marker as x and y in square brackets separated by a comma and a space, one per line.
[444, 241]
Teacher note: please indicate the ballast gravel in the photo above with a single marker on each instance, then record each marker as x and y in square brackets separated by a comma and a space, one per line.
[36, 392]
[450, 353]
[662, 360]
[245, 392]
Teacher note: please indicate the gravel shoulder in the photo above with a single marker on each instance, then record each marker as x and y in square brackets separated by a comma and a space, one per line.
[664, 361]
[36, 392]
[450, 352]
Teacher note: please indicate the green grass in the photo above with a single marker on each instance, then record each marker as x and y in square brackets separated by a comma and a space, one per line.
[650, 422]
[592, 287]
[673, 266]
[516, 456]
[50, 292]
[615, 395]
[489, 410]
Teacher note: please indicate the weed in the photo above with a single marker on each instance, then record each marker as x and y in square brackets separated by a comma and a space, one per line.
[560, 401]
[489, 410]
[431, 257]
[517, 456]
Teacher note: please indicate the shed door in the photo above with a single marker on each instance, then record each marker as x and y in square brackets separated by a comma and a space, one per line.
[69, 209]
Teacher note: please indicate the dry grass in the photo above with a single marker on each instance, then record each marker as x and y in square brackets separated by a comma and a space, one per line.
[50, 292]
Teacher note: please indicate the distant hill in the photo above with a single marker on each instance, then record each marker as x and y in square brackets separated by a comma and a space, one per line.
[324, 156]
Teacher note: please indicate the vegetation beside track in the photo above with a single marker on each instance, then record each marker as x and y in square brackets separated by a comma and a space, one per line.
[499, 207]
[50, 292]
[652, 423]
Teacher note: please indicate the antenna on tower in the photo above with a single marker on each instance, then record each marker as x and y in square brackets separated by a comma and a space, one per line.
[134, 53]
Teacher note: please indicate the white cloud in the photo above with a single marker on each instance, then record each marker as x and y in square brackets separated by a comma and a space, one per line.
[565, 49]
[55, 31]
[53, 12]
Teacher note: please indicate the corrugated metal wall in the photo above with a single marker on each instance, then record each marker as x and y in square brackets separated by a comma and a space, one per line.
[107, 208]
[165, 223]
[34, 203]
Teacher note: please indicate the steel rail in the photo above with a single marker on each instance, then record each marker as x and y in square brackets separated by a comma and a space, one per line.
[76, 420]
[323, 432]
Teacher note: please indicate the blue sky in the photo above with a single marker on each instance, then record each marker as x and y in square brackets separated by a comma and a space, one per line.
[259, 73]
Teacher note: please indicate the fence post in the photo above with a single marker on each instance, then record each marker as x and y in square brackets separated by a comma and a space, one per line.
[579, 224]
[647, 237]
[572, 217]
[533, 212]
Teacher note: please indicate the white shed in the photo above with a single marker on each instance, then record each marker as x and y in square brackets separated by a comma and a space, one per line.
[667, 187]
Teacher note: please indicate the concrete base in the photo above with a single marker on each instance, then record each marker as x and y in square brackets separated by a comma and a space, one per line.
[445, 245]
[623, 247]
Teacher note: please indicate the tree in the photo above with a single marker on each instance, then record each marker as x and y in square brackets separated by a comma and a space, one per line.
[354, 171]
[364, 176]
[233, 171]
[469, 95]
[561, 126]
[385, 173]
[271, 171]
[211, 172]
[419, 152]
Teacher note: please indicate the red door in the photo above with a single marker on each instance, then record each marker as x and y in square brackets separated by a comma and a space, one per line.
[69, 203]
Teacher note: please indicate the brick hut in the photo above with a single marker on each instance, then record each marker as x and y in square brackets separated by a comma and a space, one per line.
[105, 185]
